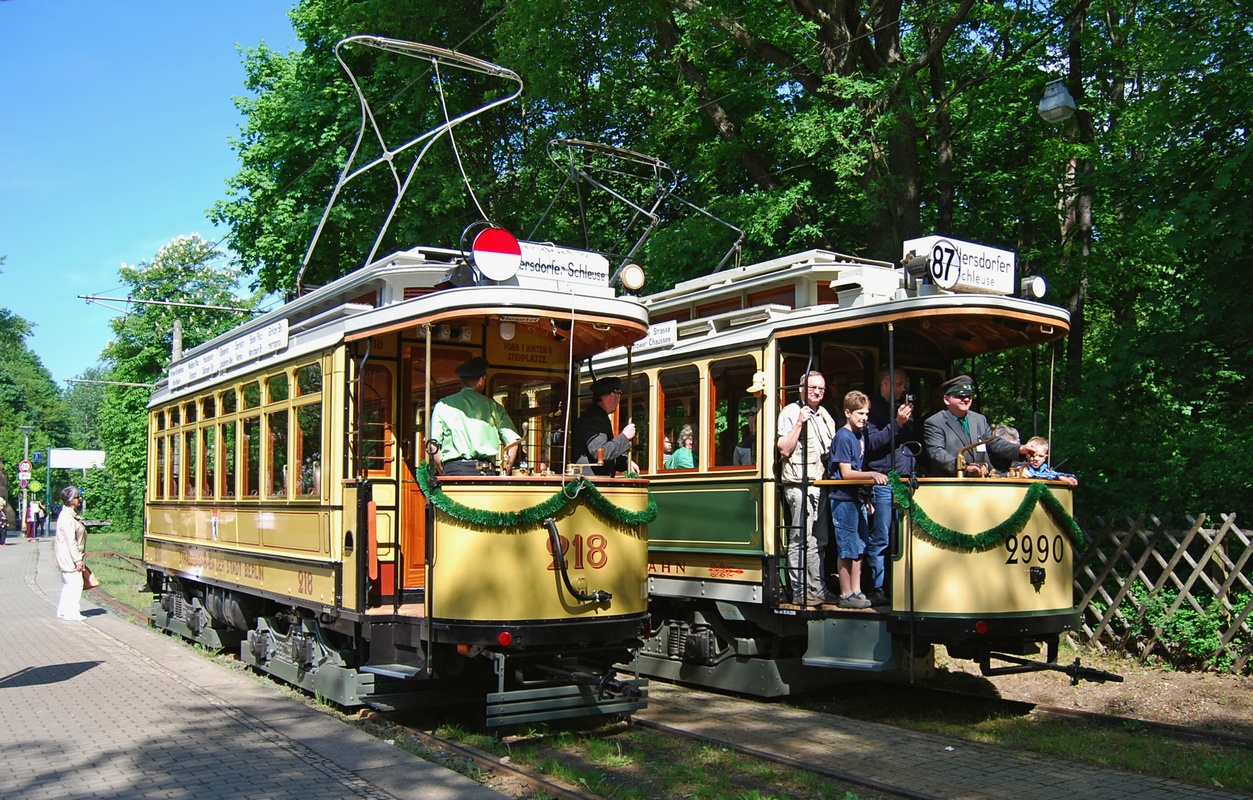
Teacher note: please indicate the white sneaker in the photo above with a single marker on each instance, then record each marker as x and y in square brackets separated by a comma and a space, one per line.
[73, 618]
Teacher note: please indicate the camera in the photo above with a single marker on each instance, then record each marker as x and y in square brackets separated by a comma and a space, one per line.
[909, 399]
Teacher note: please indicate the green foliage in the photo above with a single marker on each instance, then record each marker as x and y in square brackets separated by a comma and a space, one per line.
[1186, 638]
[181, 271]
[28, 397]
[853, 132]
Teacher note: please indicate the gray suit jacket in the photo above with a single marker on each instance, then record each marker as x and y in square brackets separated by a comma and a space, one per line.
[944, 436]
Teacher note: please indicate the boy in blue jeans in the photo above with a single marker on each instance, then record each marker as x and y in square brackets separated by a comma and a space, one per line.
[849, 512]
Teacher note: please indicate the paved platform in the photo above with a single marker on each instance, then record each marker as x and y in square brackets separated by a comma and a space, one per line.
[105, 708]
[927, 765]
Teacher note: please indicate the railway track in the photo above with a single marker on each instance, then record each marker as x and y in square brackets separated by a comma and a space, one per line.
[520, 781]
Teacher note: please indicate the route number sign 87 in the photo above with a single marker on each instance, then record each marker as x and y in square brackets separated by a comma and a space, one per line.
[945, 264]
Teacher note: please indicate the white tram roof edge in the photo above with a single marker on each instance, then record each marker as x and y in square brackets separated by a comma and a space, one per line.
[326, 315]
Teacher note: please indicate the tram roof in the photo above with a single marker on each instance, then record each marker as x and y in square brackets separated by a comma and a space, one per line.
[820, 291]
[399, 290]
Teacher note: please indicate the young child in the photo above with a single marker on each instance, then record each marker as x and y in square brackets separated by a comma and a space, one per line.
[849, 512]
[1037, 452]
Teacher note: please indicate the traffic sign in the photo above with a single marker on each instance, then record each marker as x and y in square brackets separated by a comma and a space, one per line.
[23, 470]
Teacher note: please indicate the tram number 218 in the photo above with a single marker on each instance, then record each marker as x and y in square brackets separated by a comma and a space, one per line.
[589, 553]
[1027, 548]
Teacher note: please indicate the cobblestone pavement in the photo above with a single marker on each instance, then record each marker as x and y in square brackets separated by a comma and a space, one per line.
[104, 708]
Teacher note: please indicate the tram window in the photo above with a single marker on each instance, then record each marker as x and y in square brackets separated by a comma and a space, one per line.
[680, 404]
[175, 467]
[227, 489]
[189, 457]
[530, 404]
[376, 418]
[252, 395]
[635, 406]
[210, 407]
[276, 454]
[252, 454]
[729, 381]
[160, 417]
[174, 417]
[846, 369]
[309, 380]
[209, 454]
[276, 388]
[159, 469]
[190, 415]
[228, 402]
[308, 452]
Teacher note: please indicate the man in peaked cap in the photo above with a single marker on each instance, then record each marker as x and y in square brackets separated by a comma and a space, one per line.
[471, 434]
[948, 431]
[594, 431]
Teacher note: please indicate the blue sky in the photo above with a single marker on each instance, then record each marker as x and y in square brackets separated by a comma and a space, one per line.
[114, 139]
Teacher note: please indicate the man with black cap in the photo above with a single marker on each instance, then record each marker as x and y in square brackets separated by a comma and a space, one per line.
[948, 431]
[594, 431]
[469, 429]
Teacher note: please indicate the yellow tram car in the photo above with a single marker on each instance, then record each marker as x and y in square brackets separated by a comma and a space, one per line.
[982, 566]
[289, 505]
[291, 510]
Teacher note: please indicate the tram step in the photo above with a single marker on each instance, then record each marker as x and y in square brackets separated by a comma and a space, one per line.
[400, 671]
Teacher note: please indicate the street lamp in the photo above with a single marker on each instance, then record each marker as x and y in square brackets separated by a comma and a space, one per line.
[1057, 104]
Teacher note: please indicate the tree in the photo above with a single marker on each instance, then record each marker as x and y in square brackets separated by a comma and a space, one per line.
[28, 397]
[187, 270]
[851, 126]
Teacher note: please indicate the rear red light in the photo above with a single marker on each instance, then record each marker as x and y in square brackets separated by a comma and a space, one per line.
[505, 638]
[981, 627]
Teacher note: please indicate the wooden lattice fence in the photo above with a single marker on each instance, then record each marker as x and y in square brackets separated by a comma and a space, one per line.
[1184, 593]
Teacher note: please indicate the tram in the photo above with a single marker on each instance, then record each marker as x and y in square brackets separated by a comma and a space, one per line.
[980, 566]
[292, 511]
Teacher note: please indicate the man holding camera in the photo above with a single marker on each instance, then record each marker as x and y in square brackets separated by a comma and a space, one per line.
[880, 428]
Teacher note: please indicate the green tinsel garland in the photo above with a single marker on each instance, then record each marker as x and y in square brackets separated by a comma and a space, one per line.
[992, 537]
[536, 514]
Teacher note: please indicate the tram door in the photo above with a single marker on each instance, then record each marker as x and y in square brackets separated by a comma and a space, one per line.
[412, 501]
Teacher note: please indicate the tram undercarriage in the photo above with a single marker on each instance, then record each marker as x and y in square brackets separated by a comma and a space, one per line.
[751, 649]
[407, 670]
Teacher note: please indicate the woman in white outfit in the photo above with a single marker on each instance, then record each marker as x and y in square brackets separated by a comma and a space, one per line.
[70, 546]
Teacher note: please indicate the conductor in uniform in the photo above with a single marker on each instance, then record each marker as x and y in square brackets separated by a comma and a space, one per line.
[471, 434]
[948, 431]
[594, 431]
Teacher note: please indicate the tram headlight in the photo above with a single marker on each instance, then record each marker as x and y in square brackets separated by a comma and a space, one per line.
[632, 277]
[1033, 287]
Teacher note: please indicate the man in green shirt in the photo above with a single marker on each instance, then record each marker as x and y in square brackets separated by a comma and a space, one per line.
[470, 430]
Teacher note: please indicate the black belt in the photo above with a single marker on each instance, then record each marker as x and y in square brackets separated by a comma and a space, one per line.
[480, 465]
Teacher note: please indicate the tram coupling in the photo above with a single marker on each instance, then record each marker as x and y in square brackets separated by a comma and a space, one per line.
[1076, 671]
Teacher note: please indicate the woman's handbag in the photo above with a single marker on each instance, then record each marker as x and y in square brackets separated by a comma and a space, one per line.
[89, 581]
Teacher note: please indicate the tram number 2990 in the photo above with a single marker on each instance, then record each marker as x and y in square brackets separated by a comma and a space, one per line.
[1027, 548]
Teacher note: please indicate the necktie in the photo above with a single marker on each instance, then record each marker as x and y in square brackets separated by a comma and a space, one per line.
[965, 426]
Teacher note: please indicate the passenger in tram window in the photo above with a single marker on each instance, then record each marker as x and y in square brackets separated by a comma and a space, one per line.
[471, 434]
[594, 431]
[804, 431]
[1037, 452]
[684, 456]
[948, 431]
[851, 506]
[891, 415]
[745, 454]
